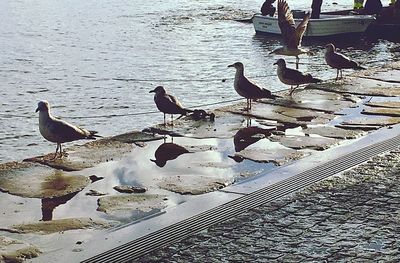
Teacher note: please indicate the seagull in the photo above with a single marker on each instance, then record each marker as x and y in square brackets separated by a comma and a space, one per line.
[245, 88]
[59, 131]
[167, 103]
[292, 35]
[292, 77]
[339, 61]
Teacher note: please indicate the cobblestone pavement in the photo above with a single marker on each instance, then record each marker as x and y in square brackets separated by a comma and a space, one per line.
[352, 217]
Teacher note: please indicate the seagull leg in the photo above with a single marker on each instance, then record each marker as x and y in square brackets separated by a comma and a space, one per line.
[341, 72]
[337, 74]
[60, 151]
[55, 155]
[172, 119]
[291, 91]
[250, 103]
[297, 62]
[165, 123]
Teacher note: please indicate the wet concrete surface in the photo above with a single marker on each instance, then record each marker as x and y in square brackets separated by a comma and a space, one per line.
[351, 217]
[176, 163]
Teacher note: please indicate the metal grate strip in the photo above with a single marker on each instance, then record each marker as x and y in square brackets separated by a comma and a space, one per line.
[168, 235]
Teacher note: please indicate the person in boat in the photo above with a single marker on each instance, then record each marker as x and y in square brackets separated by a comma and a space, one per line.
[267, 8]
[372, 7]
[316, 9]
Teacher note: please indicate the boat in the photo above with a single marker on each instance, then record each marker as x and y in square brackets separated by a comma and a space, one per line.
[327, 25]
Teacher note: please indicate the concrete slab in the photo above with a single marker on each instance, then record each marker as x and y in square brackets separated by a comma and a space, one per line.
[137, 229]
[281, 173]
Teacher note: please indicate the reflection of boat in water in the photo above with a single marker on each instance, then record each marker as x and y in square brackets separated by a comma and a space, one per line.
[326, 25]
[166, 152]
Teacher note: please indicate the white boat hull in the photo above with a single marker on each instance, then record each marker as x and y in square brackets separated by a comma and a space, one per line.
[327, 25]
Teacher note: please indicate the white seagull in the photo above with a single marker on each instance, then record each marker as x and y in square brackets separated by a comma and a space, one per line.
[246, 88]
[59, 131]
[291, 35]
[167, 103]
[339, 61]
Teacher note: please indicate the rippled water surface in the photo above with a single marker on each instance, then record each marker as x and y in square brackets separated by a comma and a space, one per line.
[95, 59]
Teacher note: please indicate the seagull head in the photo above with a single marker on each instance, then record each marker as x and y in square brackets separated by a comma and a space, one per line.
[159, 163]
[158, 90]
[330, 47]
[280, 62]
[236, 65]
[43, 105]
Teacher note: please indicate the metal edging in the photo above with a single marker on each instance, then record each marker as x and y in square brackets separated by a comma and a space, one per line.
[143, 245]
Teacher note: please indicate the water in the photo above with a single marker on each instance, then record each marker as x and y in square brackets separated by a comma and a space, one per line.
[100, 58]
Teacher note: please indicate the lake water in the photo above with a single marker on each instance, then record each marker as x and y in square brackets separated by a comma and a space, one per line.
[93, 60]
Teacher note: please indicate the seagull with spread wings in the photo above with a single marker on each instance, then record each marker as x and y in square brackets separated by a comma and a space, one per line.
[291, 35]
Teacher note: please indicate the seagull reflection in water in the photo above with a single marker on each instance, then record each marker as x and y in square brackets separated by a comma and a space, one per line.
[168, 151]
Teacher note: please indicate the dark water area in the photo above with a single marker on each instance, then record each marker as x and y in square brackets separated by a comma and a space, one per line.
[95, 61]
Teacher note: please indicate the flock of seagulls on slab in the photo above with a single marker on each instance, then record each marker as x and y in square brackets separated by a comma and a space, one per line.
[59, 131]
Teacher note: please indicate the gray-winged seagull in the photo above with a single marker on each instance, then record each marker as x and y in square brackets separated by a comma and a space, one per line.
[59, 131]
[291, 35]
[293, 77]
[167, 103]
[245, 88]
[339, 61]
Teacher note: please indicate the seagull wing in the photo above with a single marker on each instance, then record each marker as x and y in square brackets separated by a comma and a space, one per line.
[301, 29]
[341, 61]
[170, 104]
[253, 91]
[294, 75]
[66, 132]
[286, 24]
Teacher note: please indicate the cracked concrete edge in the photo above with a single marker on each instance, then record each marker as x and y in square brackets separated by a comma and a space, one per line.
[115, 237]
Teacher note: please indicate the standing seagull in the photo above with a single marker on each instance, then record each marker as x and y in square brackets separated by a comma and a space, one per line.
[292, 35]
[339, 61]
[245, 88]
[292, 77]
[59, 131]
[167, 103]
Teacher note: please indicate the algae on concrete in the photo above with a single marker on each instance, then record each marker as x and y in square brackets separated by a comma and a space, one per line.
[391, 112]
[16, 251]
[305, 142]
[334, 132]
[194, 185]
[38, 181]
[130, 202]
[276, 156]
[59, 225]
[85, 156]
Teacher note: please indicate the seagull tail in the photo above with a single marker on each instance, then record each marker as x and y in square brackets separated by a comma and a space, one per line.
[93, 135]
[268, 94]
[188, 110]
[273, 96]
[316, 80]
[311, 79]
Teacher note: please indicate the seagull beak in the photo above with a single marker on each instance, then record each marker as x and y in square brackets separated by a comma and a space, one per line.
[37, 110]
[276, 63]
[152, 91]
[230, 66]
